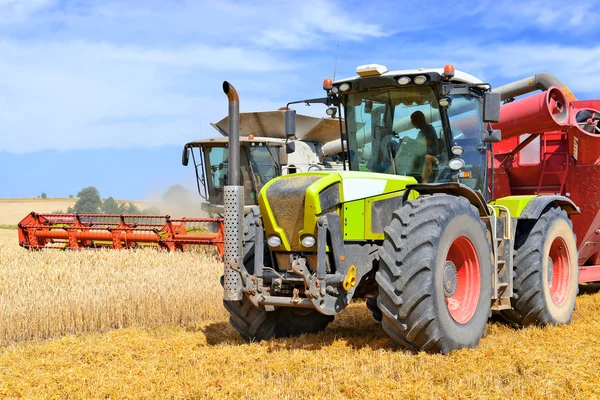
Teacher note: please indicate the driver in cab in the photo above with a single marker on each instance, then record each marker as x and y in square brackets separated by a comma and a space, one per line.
[428, 137]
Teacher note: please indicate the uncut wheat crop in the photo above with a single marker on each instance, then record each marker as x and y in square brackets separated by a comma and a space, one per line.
[51, 293]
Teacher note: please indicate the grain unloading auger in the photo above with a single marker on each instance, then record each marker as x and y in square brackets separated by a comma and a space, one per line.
[92, 231]
[423, 225]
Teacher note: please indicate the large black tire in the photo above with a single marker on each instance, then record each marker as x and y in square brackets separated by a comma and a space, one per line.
[546, 271]
[255, 324]
[427, 240]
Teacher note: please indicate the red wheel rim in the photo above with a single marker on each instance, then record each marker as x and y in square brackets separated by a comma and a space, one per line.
[462, 291]
[559, 274]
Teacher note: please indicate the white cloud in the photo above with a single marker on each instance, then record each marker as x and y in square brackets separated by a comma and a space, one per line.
[315, 22]
[80, 95]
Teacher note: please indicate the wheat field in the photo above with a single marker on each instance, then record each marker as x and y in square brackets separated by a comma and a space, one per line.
[144, 324]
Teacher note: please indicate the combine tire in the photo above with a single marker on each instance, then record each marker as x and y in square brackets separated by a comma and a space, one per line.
[546, 272]
[435, 282]
[255, 324]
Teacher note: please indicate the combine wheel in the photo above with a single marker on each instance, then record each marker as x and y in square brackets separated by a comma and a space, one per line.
[255, 324]
[434, 276]
[546, 273]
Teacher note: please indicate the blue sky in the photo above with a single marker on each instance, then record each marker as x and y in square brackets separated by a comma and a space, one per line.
[105, 93]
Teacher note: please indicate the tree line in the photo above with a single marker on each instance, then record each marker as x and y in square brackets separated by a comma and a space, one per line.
[90, 202]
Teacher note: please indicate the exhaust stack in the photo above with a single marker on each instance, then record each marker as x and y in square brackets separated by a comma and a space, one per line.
[233, 204]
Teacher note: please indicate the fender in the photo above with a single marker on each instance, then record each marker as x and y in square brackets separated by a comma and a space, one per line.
[453, 188]
[535, 208]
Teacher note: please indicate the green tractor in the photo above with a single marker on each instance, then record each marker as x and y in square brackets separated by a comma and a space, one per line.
[411, 224]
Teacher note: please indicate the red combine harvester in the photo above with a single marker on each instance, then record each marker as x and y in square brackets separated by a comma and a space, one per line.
[551, 146]
[89, 231]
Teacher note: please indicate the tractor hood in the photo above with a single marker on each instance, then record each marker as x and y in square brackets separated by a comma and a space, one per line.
[291, 205]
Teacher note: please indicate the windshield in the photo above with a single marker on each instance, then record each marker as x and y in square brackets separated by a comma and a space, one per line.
[264, 166]
[397, 131]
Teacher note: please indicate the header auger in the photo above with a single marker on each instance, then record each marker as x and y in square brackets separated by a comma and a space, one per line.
[444, 215]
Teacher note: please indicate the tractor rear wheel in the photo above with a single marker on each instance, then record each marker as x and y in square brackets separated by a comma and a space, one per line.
[255, 324]
[546, 272]
[435, 275]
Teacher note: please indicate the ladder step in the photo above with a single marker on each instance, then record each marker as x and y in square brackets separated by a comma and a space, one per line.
[502, 285]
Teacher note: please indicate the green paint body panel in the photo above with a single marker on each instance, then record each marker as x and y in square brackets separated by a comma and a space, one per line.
[355, 222]
[515, 204]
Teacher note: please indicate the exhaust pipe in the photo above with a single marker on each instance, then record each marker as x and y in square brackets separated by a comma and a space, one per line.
[233, 204]
[542, 81]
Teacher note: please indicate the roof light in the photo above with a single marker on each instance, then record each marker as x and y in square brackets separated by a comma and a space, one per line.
[335, 90]
[421, 79]
[344, 87]
[449, 71]
[403, 80]
[331, 111]
[250, 137]
[327, 83]
[371, 70]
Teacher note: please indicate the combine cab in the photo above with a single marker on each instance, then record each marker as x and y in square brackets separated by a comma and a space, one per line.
[434, 222]
[265, 153]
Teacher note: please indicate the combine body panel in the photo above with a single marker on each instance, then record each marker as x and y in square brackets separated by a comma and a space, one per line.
[555, 152]
[90, 231]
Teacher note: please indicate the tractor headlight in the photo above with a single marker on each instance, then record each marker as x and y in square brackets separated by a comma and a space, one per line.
[274, 241]
[308, 241]
[457, 150]
[335, 90]
[456, 164]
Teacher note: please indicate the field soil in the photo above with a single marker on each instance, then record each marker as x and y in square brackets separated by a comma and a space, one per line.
[144, 324]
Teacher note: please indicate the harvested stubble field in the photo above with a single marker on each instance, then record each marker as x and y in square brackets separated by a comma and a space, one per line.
[60, 313]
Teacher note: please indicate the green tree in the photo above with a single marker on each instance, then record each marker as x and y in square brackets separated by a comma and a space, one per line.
[110, 206]
[89, 201]
[44, 195]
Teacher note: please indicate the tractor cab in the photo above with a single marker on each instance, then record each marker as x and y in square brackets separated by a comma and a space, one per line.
[427, 124]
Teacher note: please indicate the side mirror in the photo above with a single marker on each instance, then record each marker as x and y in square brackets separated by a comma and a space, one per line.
[491, 107]
[185, 156]
[492, 136]
[283, 155]
[290, 122]
[290, 147]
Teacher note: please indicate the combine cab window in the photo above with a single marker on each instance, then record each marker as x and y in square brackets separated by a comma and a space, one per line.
[397, 131]
[264, 166]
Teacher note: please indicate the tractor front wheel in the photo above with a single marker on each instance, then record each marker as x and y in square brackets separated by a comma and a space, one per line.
[255, 324]
[435, 282]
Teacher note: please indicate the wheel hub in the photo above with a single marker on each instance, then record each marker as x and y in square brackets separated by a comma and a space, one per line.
[450, 279]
